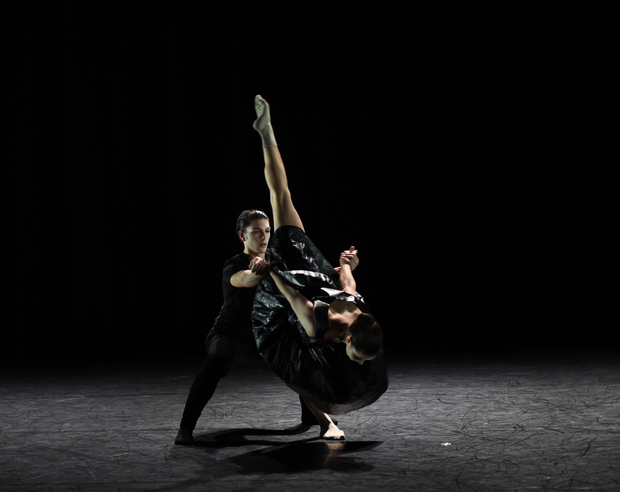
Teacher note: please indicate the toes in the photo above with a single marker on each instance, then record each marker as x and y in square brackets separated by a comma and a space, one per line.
[334, 438]
[260, 105]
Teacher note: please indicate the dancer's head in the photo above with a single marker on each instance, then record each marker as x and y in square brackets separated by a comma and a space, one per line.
[364, 339]
[253, 231]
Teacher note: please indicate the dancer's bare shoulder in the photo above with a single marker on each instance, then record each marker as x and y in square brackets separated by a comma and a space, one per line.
[343, 307]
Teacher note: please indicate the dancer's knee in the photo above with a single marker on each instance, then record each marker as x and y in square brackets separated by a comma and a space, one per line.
[281, 199]
[218, 365]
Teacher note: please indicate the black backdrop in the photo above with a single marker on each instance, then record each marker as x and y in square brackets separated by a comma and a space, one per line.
[132, 153]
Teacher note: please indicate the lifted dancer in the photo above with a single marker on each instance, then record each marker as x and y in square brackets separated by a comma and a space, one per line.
[341, 319]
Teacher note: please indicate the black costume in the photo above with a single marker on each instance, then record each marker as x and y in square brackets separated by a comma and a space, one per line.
[228, 342]
[318, 370]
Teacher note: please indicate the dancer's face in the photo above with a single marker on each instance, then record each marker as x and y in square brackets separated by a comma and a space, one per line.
[256, 237]
[354, 354]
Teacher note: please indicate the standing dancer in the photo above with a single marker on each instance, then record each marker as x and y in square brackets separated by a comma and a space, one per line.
[310, 337]
[230, 339]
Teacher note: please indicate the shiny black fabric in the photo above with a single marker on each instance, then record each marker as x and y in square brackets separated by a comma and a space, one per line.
[319, 371]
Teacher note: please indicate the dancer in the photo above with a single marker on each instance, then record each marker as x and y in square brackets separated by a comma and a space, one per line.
[231, 339]
[301, 336]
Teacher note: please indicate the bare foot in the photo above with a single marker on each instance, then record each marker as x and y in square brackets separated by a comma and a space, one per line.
[332, 432]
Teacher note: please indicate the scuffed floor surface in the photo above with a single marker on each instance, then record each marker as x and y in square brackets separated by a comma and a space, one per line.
[513, 423]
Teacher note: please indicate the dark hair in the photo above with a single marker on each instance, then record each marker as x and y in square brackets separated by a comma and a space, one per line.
[366, 335]
[247, 216]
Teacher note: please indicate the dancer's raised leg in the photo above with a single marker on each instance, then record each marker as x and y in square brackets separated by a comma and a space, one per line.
[284, 212]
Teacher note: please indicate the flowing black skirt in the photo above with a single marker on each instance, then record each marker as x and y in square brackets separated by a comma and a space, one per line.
[319, 371]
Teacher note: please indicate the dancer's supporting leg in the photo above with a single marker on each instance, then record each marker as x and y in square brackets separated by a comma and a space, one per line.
[284, 212]
[223, 352]
[328, 427]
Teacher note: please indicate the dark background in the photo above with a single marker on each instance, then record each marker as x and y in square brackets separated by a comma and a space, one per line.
[414, 138]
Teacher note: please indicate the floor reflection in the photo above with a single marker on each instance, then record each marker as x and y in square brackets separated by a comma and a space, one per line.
[306, 455]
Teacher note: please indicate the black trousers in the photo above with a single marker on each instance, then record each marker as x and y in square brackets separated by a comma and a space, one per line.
[223, 353]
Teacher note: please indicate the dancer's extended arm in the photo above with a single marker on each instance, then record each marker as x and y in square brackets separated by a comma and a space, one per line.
[347, 260]
[245, 279]
[251, 277]
[303, 308]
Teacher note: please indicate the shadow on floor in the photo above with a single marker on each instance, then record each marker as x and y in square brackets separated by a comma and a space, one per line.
[305, 454]
[237, 437]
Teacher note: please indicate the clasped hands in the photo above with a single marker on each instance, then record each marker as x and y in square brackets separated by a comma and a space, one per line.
[260, 266]
[350, 258]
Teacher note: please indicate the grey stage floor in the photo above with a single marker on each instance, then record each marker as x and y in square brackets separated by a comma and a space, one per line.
[504, 423]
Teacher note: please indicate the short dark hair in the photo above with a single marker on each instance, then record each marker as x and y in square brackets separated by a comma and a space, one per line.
[247, 216]
[366, 335]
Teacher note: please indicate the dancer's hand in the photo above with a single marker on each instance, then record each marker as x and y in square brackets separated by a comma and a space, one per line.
[259, 266]
[350, 258]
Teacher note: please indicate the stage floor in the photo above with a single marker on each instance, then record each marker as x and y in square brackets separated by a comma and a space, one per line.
[507, 422]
